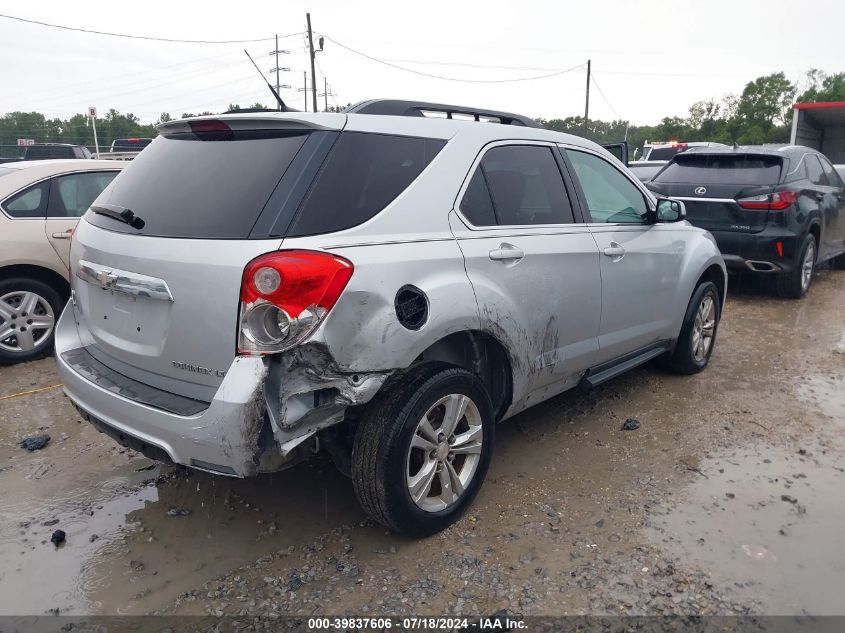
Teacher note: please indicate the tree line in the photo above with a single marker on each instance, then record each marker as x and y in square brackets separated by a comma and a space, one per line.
[762, 113]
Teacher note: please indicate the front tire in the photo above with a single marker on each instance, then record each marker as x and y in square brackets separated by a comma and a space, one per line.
[29, 309]
[698, 333]
[795, 284]
[422, 449]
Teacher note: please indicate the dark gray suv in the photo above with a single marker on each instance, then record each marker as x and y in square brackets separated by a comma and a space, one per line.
[773, 210]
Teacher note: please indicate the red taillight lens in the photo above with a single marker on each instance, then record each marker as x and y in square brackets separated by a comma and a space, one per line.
[284, 297]
[770, 202]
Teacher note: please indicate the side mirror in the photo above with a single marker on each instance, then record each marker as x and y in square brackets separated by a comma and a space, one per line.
[670, 210]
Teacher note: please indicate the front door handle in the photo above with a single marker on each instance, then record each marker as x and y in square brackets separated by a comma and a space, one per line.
[615, 251]
[64, 235]
[507, 253]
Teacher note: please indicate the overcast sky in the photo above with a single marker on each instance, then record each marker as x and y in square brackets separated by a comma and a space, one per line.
[650, 58]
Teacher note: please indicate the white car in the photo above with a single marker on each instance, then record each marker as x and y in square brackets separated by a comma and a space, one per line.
[40, 205]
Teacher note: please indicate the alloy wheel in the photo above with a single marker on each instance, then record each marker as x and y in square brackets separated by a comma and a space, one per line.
[445, 452]
[704, 328]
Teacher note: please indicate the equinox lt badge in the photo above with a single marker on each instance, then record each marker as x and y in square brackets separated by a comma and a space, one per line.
[198, 369]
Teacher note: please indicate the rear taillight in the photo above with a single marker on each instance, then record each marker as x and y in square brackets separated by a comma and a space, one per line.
[284, 297]
[770, 202]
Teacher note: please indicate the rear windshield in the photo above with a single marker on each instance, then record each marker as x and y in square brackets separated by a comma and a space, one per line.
[664, 153]
[130, 145]
[205, 189]
[732, 169]
[45, 152]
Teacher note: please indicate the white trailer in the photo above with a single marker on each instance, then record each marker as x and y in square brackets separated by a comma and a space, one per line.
[822, 127]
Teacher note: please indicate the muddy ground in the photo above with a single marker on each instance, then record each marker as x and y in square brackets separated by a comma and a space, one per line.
[729, 498]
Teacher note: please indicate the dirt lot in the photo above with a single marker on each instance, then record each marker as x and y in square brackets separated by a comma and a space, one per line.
[727, 499]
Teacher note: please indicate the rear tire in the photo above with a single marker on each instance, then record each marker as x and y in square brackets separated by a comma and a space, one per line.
[26, 333]
[795, 284]
[412, 470]
[698, 333]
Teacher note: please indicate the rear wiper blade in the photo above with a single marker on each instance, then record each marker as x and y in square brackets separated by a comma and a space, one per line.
[121, 214]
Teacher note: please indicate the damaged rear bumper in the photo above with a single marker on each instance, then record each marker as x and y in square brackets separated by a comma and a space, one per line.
[259, 419]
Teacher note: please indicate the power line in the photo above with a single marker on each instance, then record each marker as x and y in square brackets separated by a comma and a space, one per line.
[603, 96]
[433, 76]
[141, 37]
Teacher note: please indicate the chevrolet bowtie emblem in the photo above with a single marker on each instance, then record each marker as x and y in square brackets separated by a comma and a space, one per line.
[106, 278]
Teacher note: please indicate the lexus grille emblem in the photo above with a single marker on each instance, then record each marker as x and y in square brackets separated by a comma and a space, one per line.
[700, 191]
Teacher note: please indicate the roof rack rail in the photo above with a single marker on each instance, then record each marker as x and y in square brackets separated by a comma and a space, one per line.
[397, 107]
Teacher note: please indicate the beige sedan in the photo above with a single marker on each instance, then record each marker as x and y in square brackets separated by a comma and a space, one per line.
[40, 204]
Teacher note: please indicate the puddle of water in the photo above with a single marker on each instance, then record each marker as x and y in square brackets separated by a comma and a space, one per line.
[825, 392]
[767, 519]
[35, 575]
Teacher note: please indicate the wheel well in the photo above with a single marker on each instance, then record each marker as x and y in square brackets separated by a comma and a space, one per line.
[482, 355]
[45, 275]
[714, 273]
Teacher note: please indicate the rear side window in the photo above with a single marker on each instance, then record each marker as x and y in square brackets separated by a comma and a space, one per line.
[72, 194]
[517, 185]
[29, 203]
[833, 178]
[729, 169]
[814, 170]
[363, 174]
[200, 187]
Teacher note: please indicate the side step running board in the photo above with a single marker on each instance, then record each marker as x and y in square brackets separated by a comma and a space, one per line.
[598, 375]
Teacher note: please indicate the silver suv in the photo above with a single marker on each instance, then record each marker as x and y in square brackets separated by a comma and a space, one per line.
[383, 284]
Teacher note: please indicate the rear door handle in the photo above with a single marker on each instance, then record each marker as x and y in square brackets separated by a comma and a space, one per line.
[614, 250]
[64, 235]
[507, 253]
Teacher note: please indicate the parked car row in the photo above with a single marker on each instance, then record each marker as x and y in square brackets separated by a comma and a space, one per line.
[386, 286]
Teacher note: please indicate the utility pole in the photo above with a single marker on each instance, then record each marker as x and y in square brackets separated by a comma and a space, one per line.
[304, 89]
[587, 105]
[277, 64]
[313, 73]
[326, 93]
[278, 69]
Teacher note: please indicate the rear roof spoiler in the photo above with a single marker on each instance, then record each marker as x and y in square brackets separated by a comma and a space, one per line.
[396, 107]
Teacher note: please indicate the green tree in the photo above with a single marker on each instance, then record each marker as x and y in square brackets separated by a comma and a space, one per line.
[824, 87]
[766, 102]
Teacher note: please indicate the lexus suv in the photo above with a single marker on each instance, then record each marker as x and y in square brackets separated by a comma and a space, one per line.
[774, 211]
[384, 284]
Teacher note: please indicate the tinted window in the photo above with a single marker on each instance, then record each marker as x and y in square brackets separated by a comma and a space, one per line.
[610, 196]
[715, 169]
[71, 195]
[832, 177]
[525, 186]
[477, 205]
[189, 187]
[814, 170]
[363, 174]
[130, 144]
[645, 173]
[29, 203]
[41, 152]
[664, 153]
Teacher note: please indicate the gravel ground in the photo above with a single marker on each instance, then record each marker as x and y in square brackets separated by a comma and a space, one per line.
[723, 501]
